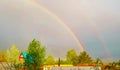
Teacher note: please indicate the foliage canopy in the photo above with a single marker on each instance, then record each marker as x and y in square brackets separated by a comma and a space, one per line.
[38, 52]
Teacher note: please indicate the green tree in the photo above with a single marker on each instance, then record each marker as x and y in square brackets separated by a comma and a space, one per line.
[84, 58]
[62, 61]
[50, 60]
[38, 52]
[12, 55]
[75, 61]
[71, 57]
[117, 64]
[98, 61]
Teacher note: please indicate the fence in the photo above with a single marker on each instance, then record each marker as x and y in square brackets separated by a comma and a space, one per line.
[75, 68]
[7, 66]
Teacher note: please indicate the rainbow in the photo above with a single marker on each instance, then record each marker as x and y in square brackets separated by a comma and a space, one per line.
[93, 27]
[60, 21]
[104, 48]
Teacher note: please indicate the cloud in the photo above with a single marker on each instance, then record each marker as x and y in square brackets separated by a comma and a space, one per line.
[20, 22]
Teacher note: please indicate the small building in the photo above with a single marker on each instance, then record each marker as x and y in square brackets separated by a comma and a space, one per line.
[21, 59]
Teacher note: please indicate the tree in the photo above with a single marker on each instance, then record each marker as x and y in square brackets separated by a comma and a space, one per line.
[117, 64]
[71, 56]
[50, 60]
[37, 51]
[2, 56]
[12, 55]
[84, 58]
[75, 61]
[98, 61]
[62, 61]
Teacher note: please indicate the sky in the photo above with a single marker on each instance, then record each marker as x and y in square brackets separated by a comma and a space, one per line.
[95, 23]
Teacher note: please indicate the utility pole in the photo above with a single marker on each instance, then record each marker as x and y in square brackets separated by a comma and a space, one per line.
[59, 61]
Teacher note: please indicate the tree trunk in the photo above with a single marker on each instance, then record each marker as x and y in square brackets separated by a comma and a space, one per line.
[35, 67]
